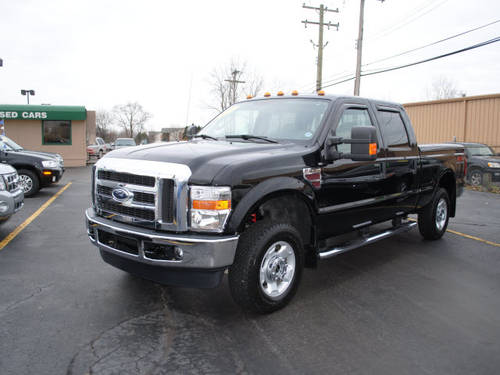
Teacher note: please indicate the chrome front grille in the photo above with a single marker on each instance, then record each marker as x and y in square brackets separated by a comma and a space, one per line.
[147, 193]
[140, 204]
[12, 181]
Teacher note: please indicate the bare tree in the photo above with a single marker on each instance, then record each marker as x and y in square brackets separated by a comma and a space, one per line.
[104, 123]
[443, 88]
[233, 82]
[131, 117]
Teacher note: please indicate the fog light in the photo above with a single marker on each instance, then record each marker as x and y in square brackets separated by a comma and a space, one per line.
[4, 207]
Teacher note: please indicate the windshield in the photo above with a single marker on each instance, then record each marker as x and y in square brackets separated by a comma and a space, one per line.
[125, 142]
[293, 119]
[480, 151]
[10, 143]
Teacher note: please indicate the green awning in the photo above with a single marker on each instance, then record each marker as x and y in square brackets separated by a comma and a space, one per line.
[42, 112]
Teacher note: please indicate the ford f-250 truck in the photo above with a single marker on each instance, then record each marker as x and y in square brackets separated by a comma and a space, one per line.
[270, 186]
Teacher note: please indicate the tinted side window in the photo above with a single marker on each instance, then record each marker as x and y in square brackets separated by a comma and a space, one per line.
[392, 128]
[350, 118]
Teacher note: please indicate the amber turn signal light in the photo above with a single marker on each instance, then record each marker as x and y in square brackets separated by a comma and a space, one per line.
[211, 205]
[373, 149]
[47, 173]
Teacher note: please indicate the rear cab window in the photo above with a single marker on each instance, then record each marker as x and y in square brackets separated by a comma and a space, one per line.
[392, 128]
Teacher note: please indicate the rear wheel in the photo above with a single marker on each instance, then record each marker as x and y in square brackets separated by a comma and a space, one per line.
[29, 181]
[267, 268]
[433, 219]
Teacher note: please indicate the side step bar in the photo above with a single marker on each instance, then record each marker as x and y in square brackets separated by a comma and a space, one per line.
[366, 240]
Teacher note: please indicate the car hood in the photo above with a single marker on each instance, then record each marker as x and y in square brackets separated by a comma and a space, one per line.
[494, 159]
[34, 155]
[44, 155]
[6, 168]
[224, 162]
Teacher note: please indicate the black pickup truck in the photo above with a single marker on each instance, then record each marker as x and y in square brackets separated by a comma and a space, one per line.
[270, 186]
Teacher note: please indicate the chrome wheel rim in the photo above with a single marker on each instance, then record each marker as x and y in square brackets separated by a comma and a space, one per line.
[26, 182]
[441, 214]
[277, 270]
[475, 178]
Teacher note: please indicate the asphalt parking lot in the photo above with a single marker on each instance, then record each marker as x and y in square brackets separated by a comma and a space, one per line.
[401, 306]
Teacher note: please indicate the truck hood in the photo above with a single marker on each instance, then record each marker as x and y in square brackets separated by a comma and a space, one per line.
[224, 162]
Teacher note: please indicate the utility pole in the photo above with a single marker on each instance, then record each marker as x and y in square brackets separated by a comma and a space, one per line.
[234, 83]
[322, 9]
[359, 47]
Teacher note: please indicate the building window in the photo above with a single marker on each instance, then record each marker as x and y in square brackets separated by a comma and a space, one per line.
[56, 132]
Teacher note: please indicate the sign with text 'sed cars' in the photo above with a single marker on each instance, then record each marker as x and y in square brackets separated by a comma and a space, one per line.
[41, 112]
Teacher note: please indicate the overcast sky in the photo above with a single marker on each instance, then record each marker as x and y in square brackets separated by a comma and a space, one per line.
[99, 53]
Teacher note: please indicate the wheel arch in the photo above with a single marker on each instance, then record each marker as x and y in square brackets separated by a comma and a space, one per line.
[28, 167]
[278, 196]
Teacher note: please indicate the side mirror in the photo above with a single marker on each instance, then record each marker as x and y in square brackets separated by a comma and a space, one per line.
[363, 145]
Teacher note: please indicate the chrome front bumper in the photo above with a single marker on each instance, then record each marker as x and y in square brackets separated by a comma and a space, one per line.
[198, 252]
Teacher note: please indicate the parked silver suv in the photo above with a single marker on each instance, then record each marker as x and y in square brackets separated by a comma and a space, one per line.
[11, 193]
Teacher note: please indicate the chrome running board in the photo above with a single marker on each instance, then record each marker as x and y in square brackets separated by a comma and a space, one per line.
[351, 245]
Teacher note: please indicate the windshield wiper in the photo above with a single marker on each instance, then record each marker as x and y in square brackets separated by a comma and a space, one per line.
[247, 137]
[204, 136]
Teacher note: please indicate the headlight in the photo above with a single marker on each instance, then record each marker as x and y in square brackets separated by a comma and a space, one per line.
[210, 207]
[50, 164]
[494, 165]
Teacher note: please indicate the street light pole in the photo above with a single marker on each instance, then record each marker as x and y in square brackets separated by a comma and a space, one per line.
[28, 93]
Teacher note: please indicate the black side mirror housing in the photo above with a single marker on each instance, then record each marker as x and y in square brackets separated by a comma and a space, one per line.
[363, 145]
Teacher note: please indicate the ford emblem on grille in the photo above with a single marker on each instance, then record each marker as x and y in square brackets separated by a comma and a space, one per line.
[121, 194]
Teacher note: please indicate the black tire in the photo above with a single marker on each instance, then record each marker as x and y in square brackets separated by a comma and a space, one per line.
[25, 175]
[430, 225]
[245, 273]
[475, 177]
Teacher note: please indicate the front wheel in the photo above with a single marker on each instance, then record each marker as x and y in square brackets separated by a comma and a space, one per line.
[267, 268]
[29, 181]
[476, 177]
[433, 219]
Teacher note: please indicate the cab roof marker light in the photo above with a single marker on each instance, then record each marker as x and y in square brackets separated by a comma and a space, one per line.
[280, 93]
[321, 93]
[249, 96]
[295, 93]
[267, 94]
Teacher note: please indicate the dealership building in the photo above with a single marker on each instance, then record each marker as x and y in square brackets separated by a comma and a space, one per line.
[65, 130]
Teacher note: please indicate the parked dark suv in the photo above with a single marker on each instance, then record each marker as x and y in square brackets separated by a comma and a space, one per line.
[36, 169]
[481, 159]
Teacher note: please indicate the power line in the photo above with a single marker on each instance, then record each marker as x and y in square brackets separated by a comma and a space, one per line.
[494, 40]
[406, 22]
[342, 75]
[433, 43]
[369, 73]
